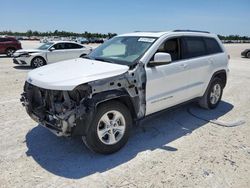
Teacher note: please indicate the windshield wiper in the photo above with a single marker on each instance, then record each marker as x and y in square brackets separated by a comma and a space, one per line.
[104, 60]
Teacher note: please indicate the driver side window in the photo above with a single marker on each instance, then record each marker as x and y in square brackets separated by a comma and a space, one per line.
[172, 47]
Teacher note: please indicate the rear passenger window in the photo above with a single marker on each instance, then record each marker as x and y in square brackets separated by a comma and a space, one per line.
[212, 46]
[193, 47]
[75, 46]
[59, 46]
[72, 46]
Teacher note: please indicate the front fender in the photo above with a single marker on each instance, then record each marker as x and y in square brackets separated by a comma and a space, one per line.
[84, 123]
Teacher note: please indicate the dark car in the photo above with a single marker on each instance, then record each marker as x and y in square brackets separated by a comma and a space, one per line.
[8, 45]
[95, 40]
[246, 53]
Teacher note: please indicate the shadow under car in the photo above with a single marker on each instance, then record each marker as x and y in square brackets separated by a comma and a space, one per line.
[69, 158]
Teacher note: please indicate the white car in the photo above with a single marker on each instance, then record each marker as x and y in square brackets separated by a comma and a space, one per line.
[50, 52]
[125, 79]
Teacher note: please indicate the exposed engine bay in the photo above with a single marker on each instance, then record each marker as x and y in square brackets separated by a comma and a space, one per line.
[68, 113]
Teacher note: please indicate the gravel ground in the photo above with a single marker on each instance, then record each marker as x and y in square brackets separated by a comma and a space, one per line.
[170, 149]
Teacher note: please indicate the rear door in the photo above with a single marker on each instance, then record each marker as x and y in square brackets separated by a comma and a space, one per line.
[198, 65]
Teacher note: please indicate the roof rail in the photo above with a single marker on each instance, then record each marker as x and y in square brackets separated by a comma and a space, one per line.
[187, 30]
[148, 31]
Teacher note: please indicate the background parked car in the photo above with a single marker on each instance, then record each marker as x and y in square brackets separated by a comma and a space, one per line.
[82, 40]
[49, 53]
[95, 40]
[246, 53]
[8, 45]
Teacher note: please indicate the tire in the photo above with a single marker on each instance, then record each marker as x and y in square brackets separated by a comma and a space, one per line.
[10, 51]
[103, 137]
[37, 62]
[248, 54]
[83, 55]
[213, 94]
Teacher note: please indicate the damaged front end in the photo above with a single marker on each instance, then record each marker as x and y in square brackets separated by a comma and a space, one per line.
[56, 110]
[68, 113]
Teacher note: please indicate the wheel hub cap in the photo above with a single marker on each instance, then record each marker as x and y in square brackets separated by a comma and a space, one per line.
[38, 62]
[111, 127]
[215, 94]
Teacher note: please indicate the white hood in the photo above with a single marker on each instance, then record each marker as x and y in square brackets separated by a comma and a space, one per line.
[66, 75]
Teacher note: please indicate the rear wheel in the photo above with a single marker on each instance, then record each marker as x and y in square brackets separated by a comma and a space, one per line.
[248, 54]
[10, 52]
[38, 62]
[212, 97]
[110, 128]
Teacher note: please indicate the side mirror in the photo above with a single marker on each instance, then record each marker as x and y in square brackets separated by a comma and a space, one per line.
[52, 49]
[160, 58]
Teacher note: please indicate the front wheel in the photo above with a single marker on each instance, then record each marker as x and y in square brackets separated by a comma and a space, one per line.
[110, 128]
[212, 97]
[37, 62]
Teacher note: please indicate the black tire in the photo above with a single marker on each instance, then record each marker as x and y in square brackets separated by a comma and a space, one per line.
[206, 101]
[83, 55]
[10, 51]
[248, 54]
[37, 62]
[92, 139]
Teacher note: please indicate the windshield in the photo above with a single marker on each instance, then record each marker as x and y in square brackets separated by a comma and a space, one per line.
[45, 46]
[122, 50]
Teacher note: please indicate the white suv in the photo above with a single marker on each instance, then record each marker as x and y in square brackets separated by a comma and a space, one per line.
[125, 79]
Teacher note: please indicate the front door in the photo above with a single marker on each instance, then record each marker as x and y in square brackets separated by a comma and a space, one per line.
[167, 84]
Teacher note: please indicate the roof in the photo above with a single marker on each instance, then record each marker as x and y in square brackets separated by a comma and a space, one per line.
[146, 34]
[161, 33]
[59, 41]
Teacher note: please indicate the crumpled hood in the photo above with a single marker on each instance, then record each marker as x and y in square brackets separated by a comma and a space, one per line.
[66, 75]
[23, 51]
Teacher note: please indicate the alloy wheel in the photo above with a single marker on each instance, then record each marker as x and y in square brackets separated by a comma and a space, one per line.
[111, 127]
[215, 94]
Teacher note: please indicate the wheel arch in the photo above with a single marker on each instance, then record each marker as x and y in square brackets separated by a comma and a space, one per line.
[10, 47]
[82, 55]
[100, 99]
[222, 74]
[247, 53]
[117, 95]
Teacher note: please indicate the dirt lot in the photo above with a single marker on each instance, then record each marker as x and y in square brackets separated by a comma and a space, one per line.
[170, 149]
